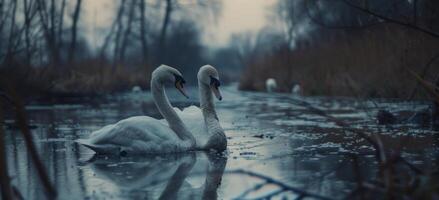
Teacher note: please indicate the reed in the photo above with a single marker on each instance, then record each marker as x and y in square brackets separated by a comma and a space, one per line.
[372, 59]
[89, 77]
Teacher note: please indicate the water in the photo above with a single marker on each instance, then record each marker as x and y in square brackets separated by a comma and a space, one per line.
[267, 134]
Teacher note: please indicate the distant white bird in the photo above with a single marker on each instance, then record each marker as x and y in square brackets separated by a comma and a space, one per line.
[271, 85]
[296, 89]
[136, 89]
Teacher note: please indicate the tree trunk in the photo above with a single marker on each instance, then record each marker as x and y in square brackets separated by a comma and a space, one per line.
[143, 38]
[119, 28]
[72, 49]
[127, 32]
[162, 39]
[12, 36]
[60, 25]
[48, 24]
[27, 20]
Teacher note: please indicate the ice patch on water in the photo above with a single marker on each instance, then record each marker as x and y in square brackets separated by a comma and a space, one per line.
[53, 140]
[325, 147]
[306, 136]
[351, 115]
[300, 122]
[273, 114]
[58, 106]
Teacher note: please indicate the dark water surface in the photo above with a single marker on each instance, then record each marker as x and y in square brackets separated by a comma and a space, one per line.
[267, 133]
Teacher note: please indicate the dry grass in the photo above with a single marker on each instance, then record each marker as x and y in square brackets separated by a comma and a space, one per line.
[86, 78]
[372, 60]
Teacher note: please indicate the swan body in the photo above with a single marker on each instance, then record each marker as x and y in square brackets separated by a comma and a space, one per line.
[143, 134]
[140, 134]
[270, 85]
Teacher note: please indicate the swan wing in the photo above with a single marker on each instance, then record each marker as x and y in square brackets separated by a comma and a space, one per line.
[140, 134]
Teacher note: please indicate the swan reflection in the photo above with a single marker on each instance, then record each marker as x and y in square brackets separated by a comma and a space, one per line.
[177, 176]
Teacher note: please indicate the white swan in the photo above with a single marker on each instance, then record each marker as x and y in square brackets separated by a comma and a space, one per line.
[296, 89]
[136, 89]
[203, 122]
[270, 85]
[143, 134]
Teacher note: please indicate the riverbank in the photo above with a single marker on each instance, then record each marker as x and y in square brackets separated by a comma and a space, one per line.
[369, 62]
[88, 78]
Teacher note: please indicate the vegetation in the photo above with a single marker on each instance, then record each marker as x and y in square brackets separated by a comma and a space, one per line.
[350, 51]
[46, 50]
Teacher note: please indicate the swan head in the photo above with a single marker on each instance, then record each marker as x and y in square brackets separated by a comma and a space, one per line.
[166, 74]
[208, 75]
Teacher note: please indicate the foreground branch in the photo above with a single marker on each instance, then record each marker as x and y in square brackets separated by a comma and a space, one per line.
[282, 185]
[21, 120]
[388, 19]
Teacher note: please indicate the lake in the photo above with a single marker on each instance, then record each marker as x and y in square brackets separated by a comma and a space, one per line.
[268, 133]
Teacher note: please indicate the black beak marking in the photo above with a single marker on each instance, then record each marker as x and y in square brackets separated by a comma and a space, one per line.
[179, 79]
[214, 82]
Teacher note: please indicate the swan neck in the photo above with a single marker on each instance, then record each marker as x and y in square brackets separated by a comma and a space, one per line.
[165, 108]
[207, 104]
[217, 138]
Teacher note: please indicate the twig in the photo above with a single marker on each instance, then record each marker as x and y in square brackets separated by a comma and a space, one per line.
[367, 11]
[424, 71]
[341, 124]
[254, 188]
[331, 26]
[17, 193]
[269, 195]
[410, 165]
[357, 172]
[431, 89]
[280, 184]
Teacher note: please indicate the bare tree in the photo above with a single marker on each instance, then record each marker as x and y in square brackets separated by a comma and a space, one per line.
[76, 13]
[48, 19]
[127, 31]
[163, 30]
[11, 36]
[29, 13]
[143, 37]
[119, 30]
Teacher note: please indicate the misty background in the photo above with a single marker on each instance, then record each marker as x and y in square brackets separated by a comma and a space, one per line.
[341, 48]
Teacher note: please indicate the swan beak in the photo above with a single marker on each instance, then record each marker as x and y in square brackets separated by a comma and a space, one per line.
[180, 88]
[216, 92]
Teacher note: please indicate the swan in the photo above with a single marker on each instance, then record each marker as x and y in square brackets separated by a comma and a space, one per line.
[136, 89]
[144, 134]
[270, 85]
[296, 89]
[203, 122]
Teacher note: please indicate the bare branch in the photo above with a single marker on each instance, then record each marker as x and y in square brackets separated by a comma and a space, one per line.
[280, 184]
[388, 19]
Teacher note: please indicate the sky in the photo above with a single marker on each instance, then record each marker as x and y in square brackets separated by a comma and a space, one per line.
[237, 16]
